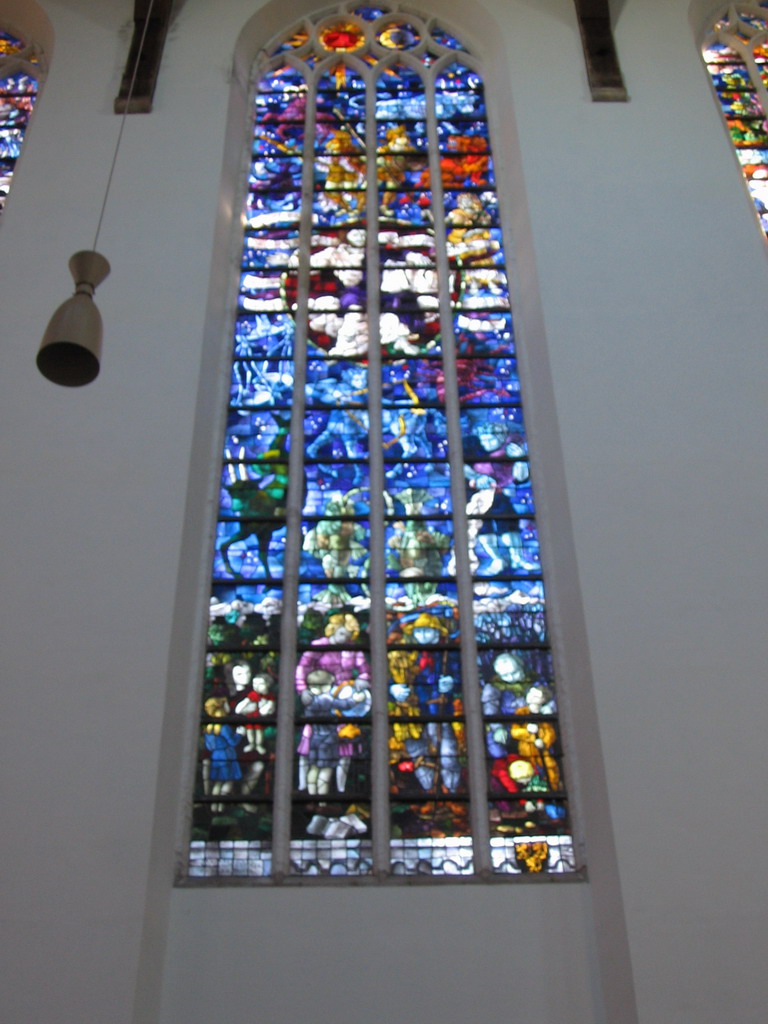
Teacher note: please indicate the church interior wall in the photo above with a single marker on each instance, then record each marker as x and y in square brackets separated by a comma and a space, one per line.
[639, 287]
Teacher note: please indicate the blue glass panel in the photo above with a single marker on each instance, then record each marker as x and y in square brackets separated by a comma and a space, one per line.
[256, 435]
[269, 249]
[340, 172]
[734, 76]
[281, 91]
[398, 137]
[419, 845]
[511, 612]
[403, 171]
[343, 248]
[336, 209]
[397, 98]
[508, 479]
[341, 434]
[275, 173]
[279, 210]
[331, 486]
[10, 143]
[299, 38]
[482, 289]
[245, 616]
[412, 209]
[249, 550]
[507, 675]
[317, 601]
[261, 288]
[334, 548]
[415, 433]
[404, 616]
[254, 489]
[417, 488]
[285, 137]
[500, 546]
[419, 547]
[413, 382]
[497, 432]
[740, 104]
[481, 380]
[267, 334]
[446, 39]
[15, 110]
[19, 85]
[340, 383]
[470, 210]
[483, 333]
[368, 13]
[474, 246]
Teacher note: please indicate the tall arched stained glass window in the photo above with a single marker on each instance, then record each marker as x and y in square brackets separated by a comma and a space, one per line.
[378, 696]
[736, 54]
[19, 70]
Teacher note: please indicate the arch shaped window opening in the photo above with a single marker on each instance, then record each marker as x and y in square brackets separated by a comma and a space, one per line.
[19, 73]
[736, 54]
[379, 698]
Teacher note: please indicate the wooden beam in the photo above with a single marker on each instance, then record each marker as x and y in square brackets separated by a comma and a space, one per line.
[152, 26]
[603, 71]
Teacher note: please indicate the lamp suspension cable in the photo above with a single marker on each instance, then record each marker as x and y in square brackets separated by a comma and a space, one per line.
[70, 352]
[128, 99]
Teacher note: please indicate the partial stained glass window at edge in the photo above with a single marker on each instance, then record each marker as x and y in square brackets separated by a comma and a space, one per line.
[378, 694]
[736, 55]
[18, 92]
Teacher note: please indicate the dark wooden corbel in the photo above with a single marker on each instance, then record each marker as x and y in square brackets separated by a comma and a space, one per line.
[156, 26]
[603, 71]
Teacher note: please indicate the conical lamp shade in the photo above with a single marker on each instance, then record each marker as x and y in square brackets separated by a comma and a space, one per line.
[71, 348]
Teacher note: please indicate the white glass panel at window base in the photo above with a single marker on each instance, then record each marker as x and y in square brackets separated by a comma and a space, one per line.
[331, 857]
[432, 856]
[560, 854]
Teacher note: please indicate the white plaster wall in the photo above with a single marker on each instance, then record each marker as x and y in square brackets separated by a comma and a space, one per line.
[641, 308]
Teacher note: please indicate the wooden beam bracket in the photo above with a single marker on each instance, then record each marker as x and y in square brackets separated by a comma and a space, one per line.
[148, 59]
[603, 71]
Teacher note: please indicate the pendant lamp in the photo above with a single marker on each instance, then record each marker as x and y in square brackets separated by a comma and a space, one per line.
[70, 352]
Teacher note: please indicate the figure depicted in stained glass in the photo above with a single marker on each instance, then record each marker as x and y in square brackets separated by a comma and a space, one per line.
[424, 682]
[254, 699]
[417, 551]
[258, 495]
[337, 545]
[535, 740]
[221, 769]
[332, 681]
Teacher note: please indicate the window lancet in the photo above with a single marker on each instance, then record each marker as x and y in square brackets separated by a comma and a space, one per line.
[19, 73]
[378, 697]
[736, 55]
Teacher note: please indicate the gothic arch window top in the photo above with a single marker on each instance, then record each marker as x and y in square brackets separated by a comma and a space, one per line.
[736, 55]
[20, 69]
[379, 698]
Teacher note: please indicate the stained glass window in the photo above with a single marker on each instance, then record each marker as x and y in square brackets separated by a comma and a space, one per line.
[19, 70]
[379, 697]
[736, 54]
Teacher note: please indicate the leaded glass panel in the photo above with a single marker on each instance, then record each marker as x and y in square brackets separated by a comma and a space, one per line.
[19, 70]
[736, 55]
[379, 693]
